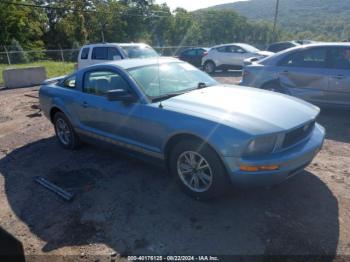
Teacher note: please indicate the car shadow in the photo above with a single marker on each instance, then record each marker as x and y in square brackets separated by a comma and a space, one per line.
[337, 124]
[135, 208]
[11, 249]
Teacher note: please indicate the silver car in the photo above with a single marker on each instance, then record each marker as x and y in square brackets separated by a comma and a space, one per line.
[318, 73]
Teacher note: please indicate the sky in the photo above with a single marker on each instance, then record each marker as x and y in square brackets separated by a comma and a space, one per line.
[191, 5]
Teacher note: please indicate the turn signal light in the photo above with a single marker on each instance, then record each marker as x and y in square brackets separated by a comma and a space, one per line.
[258, 168]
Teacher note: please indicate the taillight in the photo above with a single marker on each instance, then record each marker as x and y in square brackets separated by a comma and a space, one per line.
[204, 54]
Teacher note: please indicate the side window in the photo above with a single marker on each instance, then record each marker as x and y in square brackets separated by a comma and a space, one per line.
[85, 53]
[69, 82]
[341, 58]
[221, 49]
[234, 49]
[113, 53]
[313, 58]
[100, 82]
[191, 52]
[99, 53]
[277, 47]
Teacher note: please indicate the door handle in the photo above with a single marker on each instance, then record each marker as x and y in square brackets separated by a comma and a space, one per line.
[338, 77]
[84, 104]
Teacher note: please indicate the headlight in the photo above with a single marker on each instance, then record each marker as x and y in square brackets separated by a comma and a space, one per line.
[261, 145]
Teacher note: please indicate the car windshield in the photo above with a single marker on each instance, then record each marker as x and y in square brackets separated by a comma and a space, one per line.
[169, 78]
[139, 51]
[250, 48]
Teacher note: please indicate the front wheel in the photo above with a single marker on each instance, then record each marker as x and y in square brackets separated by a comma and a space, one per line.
[198, 169]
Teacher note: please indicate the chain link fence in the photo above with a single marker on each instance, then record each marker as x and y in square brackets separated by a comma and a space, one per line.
[10, 58]
[57, 62]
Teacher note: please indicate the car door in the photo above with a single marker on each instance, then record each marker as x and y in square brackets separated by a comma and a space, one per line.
[338, 91]
[235, 55]
[219, 55]
[305, 73]
[108, 119]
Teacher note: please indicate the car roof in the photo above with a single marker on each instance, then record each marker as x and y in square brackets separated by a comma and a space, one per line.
[194, 48]
[278, 55]
[119, 44]
[140, 62]
[238, 44]
[316, 45]
[285, 42]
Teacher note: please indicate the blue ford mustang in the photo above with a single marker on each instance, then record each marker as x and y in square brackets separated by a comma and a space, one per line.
[207, 134]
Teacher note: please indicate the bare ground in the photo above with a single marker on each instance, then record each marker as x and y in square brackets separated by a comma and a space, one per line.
[126, 207]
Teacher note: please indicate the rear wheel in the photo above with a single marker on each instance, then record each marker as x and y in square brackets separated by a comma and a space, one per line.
[209, 67]
[198, 169]
[65, 133]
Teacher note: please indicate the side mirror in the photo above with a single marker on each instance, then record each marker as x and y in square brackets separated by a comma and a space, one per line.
[120, 95]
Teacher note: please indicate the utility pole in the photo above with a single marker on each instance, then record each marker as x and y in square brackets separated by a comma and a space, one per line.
[275, 20]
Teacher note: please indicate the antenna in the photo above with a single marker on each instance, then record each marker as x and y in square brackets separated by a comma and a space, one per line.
[160, 103]
[275, 20]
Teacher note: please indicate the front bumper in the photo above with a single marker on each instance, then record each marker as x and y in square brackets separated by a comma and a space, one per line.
[291, 162]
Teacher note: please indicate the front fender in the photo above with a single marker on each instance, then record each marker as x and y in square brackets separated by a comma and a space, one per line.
[225, 140]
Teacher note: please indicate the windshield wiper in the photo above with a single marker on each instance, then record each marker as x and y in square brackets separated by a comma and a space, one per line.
[167, 96]
[200, 85]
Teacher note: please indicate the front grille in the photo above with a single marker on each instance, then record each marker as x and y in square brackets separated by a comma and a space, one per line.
[298, 134]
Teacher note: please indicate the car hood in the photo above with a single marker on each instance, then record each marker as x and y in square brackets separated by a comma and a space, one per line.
[251, 110]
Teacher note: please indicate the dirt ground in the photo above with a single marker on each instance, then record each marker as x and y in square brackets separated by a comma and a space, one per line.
[125, 207]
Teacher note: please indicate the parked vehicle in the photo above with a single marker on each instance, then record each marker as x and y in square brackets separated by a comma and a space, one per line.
[230, 56]
[280, 46]
[318, 73]
[205, 133]
[194, 55]
[104, 52]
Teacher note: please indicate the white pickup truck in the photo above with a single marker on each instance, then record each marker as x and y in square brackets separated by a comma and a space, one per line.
[103, 52]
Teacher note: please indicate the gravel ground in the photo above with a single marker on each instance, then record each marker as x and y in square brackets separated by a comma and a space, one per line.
[125, 207]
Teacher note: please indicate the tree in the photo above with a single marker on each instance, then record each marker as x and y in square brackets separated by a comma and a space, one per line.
[22, 23]
[18, 57]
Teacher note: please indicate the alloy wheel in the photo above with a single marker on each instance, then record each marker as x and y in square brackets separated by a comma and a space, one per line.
[194, 171]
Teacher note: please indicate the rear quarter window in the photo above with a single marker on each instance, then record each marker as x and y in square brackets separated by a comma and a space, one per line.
[68, 82]
[85, 53]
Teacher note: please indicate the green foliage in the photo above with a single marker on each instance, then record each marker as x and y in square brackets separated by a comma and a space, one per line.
[73, 54]
[17, 55]
[22, 23]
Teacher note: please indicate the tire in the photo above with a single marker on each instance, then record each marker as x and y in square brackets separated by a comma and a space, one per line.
[210, 182]
[65, 133]
[274, 87]
[209, 67]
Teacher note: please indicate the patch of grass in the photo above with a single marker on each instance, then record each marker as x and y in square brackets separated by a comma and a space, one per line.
[53, 68]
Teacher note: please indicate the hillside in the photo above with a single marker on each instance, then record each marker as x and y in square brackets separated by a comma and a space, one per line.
[322, 19]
